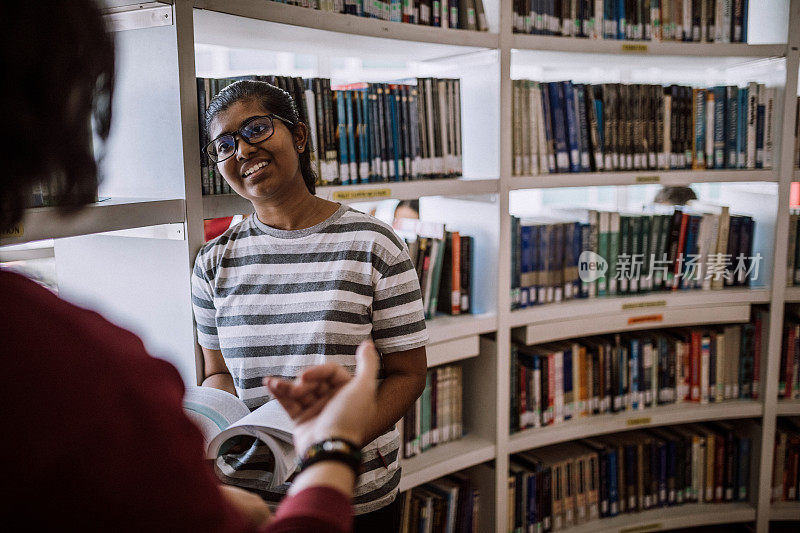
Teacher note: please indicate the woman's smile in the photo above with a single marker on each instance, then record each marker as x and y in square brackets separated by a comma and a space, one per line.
[255, 171]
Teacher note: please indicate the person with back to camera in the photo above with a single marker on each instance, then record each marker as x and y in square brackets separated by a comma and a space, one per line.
[96, 436]
[302, 282]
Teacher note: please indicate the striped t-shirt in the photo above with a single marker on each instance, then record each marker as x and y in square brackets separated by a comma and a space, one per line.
[278, 301]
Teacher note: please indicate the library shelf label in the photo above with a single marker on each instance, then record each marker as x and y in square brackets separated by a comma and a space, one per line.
[645, 318]
[641, 421]
[637, 305]
[648, 179]
[641, 529]
[16, 231]
[634, 48]
[364, 194]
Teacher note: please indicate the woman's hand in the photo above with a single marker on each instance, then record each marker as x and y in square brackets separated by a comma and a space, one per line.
[249, 504]
[325, 401]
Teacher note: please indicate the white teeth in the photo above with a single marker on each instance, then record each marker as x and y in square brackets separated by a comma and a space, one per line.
[255, 167]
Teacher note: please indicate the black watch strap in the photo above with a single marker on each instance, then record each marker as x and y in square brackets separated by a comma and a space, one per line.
[333, 449]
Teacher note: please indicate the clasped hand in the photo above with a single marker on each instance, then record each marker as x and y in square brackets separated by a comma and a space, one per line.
[325, 401]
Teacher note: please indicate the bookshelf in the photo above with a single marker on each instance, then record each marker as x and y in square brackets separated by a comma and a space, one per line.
[220, 205]
[157, 89]
[784, 511]
[646, 48]
[690, 515]
[111, 214]
[671, 177]
[445, 459]
[788, 408]
[617, 422]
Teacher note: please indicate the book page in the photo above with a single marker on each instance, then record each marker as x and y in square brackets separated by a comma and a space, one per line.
[271, 425]
[212, 410]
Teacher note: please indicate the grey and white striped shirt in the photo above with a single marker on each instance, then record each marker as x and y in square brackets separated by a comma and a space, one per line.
[277, 301]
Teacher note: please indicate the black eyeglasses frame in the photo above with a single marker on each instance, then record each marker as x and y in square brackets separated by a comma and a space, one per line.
[239, 135]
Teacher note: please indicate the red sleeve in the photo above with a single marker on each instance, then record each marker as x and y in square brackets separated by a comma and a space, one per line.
[314, 510]
[98, 436]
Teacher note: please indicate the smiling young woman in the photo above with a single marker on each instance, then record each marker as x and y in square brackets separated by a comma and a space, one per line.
[302, 282]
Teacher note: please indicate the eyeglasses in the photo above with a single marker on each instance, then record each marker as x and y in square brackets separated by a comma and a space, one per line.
[255, 130]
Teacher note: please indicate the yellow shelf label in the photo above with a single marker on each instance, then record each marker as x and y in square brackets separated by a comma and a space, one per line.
[646, 527]
[635, 48]
[648, 179]
[639, 421]
[363, 194]
[638, 305]
[15, 232]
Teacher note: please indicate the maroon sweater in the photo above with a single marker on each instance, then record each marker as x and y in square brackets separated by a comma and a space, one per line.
[94, 436]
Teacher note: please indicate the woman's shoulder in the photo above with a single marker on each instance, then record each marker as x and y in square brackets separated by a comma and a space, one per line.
[231, 237]
[371, 228]
[215, 248]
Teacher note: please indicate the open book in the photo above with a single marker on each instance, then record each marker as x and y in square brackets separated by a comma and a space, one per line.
[223, 418]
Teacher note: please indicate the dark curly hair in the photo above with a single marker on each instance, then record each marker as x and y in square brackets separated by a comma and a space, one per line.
[272, 99]
[58, 62]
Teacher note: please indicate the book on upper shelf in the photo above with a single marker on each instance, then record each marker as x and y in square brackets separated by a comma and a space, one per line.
[696, 247]
[453, 14]
[562, 127]
[698, 21]
[443, 261]
[364, 132]
[559, 381]
[565, 485]
[224, 419]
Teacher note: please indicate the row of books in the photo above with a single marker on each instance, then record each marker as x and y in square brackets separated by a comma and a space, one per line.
[560, 486]
[786, 461]
[443, 261]
[454, 14]
[789, 371]
[797, 134]
[619, 254]
[559, 381]
[436, 416]
[720, 21]
[573, 127]
[793, 250]
[42, 195]
[450, 504]
[365, 132]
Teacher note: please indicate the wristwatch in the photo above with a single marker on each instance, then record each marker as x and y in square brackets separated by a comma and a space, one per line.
[333, 449]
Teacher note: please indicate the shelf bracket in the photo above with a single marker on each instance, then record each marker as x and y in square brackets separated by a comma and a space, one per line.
[138, 16]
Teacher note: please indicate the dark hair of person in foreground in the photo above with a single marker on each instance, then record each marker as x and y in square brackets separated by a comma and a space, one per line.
[54, 104]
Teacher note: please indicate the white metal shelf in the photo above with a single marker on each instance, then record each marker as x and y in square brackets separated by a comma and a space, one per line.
[792, 295]
[588, 426]
[26, 252]
[225, 205]
[678, 517]
[444, 328]
[640, 177]
[108, 215]
[445, 459]
[594, 316]
[785, 511]
[788, 408]
[455, 338]
[646, 48]
[274, 26]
